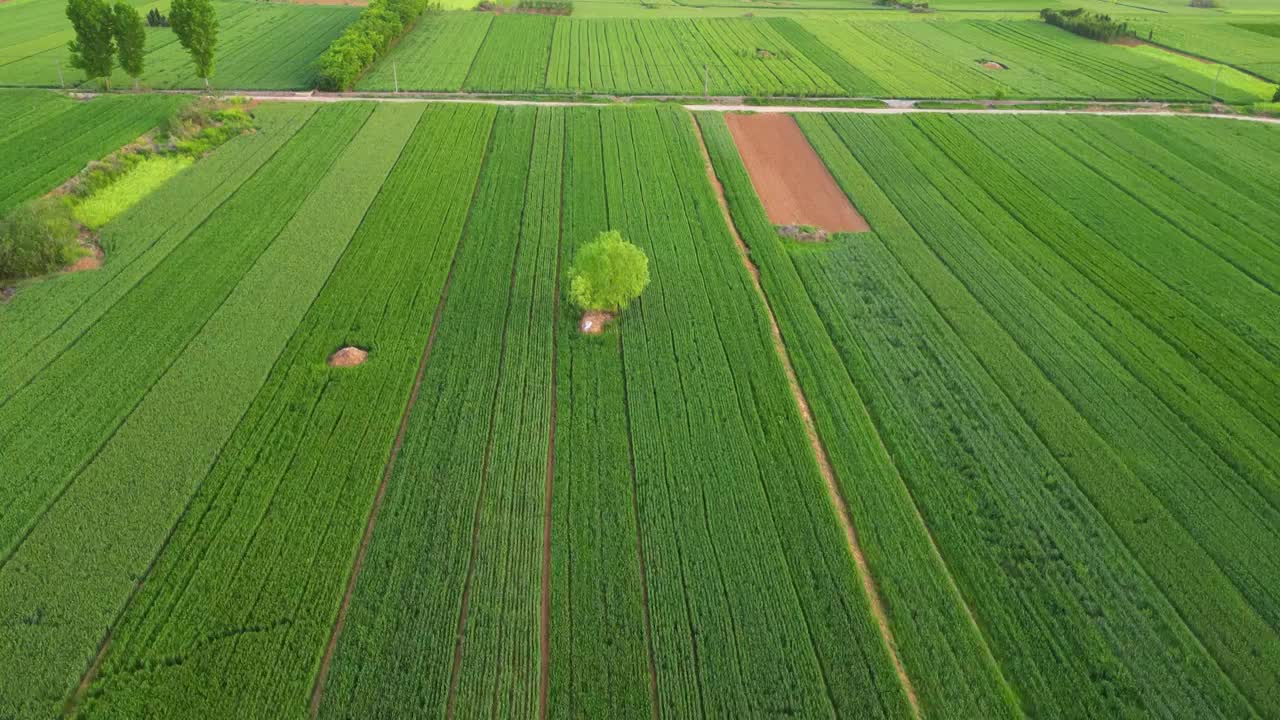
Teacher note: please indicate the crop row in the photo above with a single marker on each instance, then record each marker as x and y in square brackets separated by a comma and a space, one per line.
[275, 524]
[176, 366]
[1127, 422]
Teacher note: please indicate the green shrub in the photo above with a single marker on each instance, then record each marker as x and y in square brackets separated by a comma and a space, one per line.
[1094, 26]
[37, 238]
[366, 40]
[608, 273]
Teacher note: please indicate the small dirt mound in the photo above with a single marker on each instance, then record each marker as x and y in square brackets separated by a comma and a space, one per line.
[593, 322]
[348, 357]
[993, 65]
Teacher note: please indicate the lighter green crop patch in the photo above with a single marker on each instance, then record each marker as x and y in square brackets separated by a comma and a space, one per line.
[103, 207]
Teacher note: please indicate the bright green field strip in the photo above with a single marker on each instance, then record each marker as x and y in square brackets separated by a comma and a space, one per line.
[944, 654]
[436, 55]
[195, 406]
[277, 521]
[47, 316]
[513, 56]
[704, 544]
[141, 180]
[260, 46]
[1226, 40]
[1122, 383]
[1231, 84]
[36, 160]
[133, 343]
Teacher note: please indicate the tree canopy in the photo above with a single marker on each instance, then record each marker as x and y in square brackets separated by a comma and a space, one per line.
[131, 39]
[608, 273]
[196, 25]
[93, 49]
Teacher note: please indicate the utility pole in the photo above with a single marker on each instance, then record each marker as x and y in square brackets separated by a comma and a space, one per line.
[395, 78]
[1214, 95]
[58, 64]
[706, 81]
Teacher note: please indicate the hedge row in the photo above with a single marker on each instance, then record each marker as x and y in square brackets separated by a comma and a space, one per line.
[366, 40]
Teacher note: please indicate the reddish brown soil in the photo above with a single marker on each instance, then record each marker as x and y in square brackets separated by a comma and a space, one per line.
[92, 261]
[348, 357]
[593, 322]
[815, 441]
[993, 65]
[793, 184]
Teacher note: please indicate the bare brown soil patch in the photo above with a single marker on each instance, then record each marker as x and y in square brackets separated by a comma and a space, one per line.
[593, 322]
[815, 441]
[993, 65]
[92, 261]
[793, 183]
[348, 357]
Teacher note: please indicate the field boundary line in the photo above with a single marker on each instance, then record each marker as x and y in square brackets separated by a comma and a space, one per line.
[317, 691]
[544, 631]
[819, 450]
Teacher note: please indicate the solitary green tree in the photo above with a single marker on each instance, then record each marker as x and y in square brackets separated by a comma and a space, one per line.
[94, 47]
[131, 38]
[608, 272]
[196, 25]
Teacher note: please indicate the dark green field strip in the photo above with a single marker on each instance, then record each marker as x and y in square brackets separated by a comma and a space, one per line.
[1145, 471]
[1200, 338]
[500, 666]
[23, 109]
[276, 524]
[46, 317]
[1080, 628]
[407, 635]
[754, 600]
[1233, 239]
[121, 508]
[133, 343]
[945, 656]
[599, 643]
[1220, 155]
[1149, 252]
[1216, 195]
[38, 159]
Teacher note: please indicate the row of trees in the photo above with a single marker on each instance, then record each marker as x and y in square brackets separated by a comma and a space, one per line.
[1095, 26]
[105, 33]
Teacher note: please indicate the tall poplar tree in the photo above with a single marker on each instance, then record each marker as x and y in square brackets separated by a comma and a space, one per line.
[94, 48]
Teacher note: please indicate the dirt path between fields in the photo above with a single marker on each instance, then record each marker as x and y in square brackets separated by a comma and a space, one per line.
[819, 451]
[791, 180]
